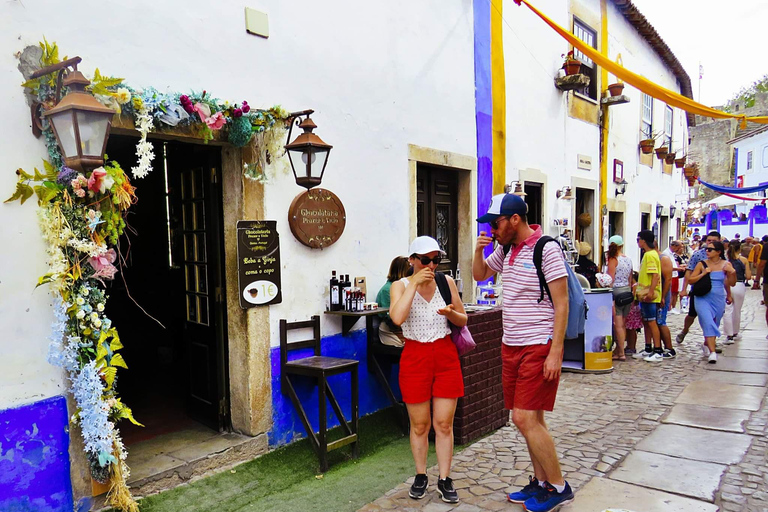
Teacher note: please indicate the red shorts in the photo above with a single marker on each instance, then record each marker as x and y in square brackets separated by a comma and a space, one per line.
[674, 285]
[430, 370]
[522, 374]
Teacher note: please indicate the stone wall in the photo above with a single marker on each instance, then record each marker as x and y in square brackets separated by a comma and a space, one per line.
[709, 147]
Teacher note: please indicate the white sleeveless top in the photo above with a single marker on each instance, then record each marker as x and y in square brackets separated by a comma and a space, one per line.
[424, 324]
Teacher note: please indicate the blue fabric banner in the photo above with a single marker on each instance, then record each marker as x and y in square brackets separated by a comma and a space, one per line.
[733, 190]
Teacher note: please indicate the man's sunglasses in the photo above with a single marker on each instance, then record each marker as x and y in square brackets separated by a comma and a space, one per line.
[425, 260]
[495, 222]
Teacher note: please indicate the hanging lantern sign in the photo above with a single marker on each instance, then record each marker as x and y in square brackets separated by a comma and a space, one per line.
[317, 218]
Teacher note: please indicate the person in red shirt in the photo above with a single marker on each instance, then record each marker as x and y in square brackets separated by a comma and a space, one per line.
[532, 346]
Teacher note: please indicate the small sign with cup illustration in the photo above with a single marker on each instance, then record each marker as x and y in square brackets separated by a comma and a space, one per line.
[258, 263]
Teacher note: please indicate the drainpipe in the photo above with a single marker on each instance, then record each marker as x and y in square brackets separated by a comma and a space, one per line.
[603, 125]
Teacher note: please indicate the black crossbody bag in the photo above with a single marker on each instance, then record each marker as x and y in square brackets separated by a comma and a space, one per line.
[703, 285]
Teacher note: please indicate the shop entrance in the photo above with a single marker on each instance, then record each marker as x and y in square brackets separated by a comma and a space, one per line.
[533, 199]
[585, 207]
[645, 221]
[437, 211]
[616, 224]
[167, 302]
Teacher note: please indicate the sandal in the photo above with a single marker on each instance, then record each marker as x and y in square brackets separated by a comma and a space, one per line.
[619, 358]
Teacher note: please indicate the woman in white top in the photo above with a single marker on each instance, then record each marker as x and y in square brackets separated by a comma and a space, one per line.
[429, 364]
[620, 269]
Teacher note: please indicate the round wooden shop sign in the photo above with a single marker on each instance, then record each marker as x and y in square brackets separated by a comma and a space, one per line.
[317, 218]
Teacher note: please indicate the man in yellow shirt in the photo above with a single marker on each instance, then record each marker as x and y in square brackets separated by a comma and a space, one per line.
[648, 293]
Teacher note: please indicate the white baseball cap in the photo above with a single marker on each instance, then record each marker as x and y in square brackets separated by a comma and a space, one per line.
[424, 245]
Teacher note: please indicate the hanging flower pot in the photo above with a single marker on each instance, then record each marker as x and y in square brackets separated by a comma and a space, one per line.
[646, 146]
[616, 89]
[688, 171]
[680, 162]
[661, 152]
[670, 158]
[572, 65]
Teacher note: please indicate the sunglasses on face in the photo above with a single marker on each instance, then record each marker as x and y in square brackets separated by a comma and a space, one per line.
[425, 260]
[495, 222]
[709, 249]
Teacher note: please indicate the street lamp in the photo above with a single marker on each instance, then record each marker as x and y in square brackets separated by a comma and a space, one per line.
[308, 153]
[80, 123]
[621, 187]
[659, 209]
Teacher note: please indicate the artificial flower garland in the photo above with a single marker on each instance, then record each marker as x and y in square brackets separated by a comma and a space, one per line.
[82, 215]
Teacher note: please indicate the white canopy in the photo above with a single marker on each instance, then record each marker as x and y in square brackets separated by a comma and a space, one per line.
[723, 201]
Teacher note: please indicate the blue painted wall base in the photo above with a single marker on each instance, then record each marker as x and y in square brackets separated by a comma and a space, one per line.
[34, 458]
[287, 426]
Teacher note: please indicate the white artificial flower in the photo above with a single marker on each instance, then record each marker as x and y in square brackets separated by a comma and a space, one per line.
[123, 95]
[80, 314]
[100, 306]
[97, 323]
[94, 316]
[80, 301]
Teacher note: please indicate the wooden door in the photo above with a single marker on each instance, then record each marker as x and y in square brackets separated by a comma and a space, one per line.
[437, 211]
[195, 175]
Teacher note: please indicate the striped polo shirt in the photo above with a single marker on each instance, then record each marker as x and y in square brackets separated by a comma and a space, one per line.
[526, 321]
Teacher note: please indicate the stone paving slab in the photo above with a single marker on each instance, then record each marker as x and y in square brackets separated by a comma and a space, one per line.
[739, 364]
[697, 444]
[745, 352]
[603, 493]
[718, 394]
[742, 379]
[727, 420]
[681, 476]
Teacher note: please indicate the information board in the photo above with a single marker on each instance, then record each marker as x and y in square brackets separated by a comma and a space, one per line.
[258, 263]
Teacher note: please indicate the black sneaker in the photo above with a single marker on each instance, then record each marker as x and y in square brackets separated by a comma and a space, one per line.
[669, 354]
[419, 487]
[446, 491]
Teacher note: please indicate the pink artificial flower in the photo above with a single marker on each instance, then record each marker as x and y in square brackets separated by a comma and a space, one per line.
[237, 113]
[96, 179]
[203, 110]
[80, 192]
[246, 108]
[103, 265]
[216, 121]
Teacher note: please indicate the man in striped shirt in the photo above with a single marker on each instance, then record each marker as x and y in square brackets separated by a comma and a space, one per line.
[532, 348]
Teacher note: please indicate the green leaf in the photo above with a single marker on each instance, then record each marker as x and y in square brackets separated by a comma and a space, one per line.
[109, 375]
[23, 174]
[51, 185]
[38, 176]
[117, 360]
[101, 351]
[47, 278]
[126, 413]
[115, 344]
[22, 192]
[50, 171]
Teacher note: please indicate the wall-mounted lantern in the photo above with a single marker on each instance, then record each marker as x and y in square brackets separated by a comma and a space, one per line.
[308, 153]
[564, 193]
[659, 209]
[672, 210]
[621, 187]
[80, 123]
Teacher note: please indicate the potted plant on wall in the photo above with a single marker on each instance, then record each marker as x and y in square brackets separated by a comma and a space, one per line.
[680, 162]
[571, 65]
[670, 158]
[661, 153]
[616, 89]
[646, 145]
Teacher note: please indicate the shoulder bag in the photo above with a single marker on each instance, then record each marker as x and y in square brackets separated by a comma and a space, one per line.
[703, 285]
[460, 336]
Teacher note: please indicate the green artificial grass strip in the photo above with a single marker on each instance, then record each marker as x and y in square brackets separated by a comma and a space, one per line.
[285, 479]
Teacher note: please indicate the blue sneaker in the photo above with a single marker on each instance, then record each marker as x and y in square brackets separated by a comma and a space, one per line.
[549, 500]
[527, 492]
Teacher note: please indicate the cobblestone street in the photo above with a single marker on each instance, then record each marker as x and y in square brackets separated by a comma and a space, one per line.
[694, 433]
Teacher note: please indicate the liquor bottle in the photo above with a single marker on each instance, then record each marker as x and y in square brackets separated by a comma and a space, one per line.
[343, 285]
[359, 300]
[459, 283]
[335, 295]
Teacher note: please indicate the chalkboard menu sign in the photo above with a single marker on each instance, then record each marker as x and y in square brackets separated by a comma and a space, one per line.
[258, 263]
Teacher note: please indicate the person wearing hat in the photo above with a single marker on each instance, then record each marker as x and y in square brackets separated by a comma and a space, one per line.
[429, 365]
[585, 266]
[532, 344]
[620, 269]
[648, 293]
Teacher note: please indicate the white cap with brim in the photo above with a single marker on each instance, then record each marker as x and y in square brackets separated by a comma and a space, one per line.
[424, 245]
[504, 204]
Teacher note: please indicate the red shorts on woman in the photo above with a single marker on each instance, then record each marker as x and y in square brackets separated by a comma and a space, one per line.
[522, 376]
[430, 370]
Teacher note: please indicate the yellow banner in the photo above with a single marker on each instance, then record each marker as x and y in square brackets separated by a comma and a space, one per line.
[667, 96]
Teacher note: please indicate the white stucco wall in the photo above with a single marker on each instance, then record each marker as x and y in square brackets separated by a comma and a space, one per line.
[379, 77]
[542, 135]
[758, 145]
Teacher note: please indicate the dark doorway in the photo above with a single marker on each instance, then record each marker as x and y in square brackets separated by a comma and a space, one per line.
[645, 221]
[167, 304]
[533, 199]
[437, 211]
[615, 224]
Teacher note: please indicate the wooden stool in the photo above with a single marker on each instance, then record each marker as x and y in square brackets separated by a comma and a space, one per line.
[319, 368]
